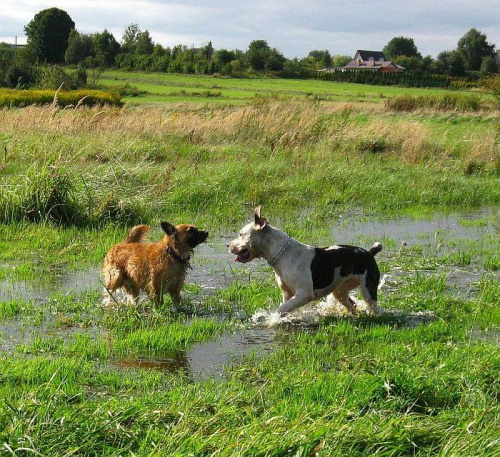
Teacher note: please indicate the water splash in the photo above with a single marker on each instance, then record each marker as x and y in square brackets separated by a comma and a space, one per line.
[312, 313]
[308, 315]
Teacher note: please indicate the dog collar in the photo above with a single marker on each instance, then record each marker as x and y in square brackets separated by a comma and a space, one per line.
[182, 260]
[280, 251]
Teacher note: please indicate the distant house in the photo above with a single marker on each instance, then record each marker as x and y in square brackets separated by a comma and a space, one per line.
[372, 61]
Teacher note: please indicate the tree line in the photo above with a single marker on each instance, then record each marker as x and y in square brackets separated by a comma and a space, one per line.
[52, 39]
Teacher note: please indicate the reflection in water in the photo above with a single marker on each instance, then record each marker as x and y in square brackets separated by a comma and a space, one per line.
[209, 359]
[55, 281]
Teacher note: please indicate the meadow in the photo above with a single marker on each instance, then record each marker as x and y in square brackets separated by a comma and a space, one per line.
[219, 375]
[150, 88]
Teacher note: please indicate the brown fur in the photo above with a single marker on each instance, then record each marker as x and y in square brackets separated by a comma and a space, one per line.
[155, 268]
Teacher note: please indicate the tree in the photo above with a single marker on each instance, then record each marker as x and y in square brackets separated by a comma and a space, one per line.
[208, 51]
[450, 63]
[80, 46]
[401, 46]
[258, 51]
[129, 38]
[223, 56]
[409, 63]
[472, 47]
[48, 34]
[489, 65]
[275, 61]
[135, 41]
[106, 48]
[340, 61]
[7, 56]
[322, 58]
[144, 44]
[261, 57]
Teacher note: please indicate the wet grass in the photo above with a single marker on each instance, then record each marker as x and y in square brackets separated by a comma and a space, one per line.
[419, 379]
[396, 384]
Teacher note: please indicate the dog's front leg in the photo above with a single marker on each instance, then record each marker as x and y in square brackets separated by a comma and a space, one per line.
[299, 299]
[285, 290]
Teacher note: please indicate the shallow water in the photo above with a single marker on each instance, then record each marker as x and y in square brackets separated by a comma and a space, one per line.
[210, 359]
[460, 226]
[490, 336]
[213, 359]
[55, 282]
[214, 268]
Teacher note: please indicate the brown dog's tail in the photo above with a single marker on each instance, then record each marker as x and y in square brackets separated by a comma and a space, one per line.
[375, 249]
[137, 234]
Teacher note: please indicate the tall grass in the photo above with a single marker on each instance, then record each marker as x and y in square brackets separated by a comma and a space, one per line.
[48, 194]
[128, 165]
[446, 102]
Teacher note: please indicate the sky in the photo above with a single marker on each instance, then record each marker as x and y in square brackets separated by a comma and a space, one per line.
[294, 27]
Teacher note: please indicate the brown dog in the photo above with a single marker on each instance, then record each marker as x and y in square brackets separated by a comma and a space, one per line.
[156, 268]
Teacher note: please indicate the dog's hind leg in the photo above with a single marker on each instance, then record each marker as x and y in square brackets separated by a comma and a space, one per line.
[132, 292]
[369, 289]
[341, 294]
[370, 299]
[113, 280]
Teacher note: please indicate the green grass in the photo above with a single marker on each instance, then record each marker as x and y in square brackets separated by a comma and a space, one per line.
[160, 87]
[349, 387]
[420, 379]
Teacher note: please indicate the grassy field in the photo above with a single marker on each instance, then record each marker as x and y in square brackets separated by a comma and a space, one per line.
[171, 88]
[330, 163]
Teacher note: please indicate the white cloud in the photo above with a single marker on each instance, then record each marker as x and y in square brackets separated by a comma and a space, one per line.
[294, 27]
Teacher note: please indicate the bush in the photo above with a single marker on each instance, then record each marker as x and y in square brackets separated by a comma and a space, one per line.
[447, 102]
[117, 212]
[20, 75]
[54, 77]
[45, 195]
[51, 195]
[12, 97]
[492, 85]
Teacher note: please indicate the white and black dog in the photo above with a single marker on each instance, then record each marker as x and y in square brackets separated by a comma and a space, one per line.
[305, 273]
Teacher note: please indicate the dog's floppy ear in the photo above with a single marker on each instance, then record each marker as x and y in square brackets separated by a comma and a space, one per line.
[168, 228]
[259, 220]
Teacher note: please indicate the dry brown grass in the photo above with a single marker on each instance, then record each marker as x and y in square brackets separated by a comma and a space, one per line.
[265, 125]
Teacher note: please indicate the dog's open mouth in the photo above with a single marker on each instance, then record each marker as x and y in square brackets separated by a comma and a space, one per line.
[243, 255]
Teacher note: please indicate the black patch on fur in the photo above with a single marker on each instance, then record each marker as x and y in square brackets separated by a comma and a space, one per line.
[351, 260]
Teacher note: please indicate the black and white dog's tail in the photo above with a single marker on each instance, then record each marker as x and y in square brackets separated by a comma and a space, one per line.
[375, 249]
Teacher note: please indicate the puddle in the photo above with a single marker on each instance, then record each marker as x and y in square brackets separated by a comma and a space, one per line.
[210, 359]
[458, 226]
[490, 336]
[58, 282]
[312, 314]
[15, 332]
[213, 359]
[214, 268]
